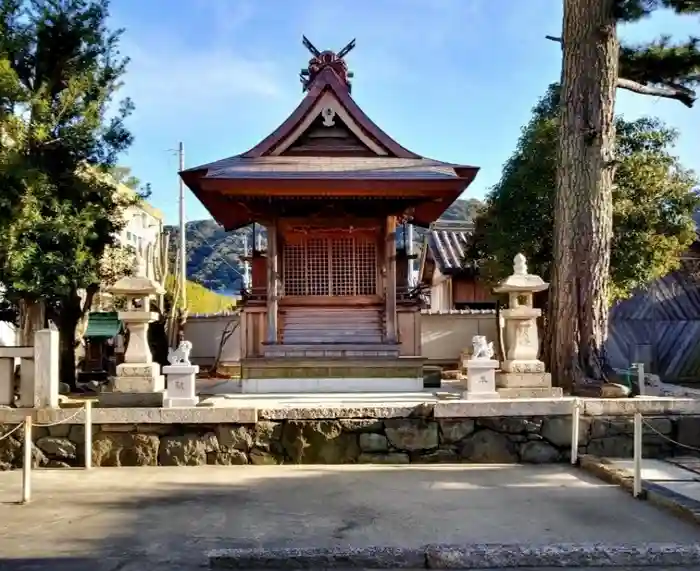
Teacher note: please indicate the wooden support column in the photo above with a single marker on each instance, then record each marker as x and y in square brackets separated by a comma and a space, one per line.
[390, 279]
[272, 282]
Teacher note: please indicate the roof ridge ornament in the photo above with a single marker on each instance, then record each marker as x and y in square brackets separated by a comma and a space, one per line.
[324, 59]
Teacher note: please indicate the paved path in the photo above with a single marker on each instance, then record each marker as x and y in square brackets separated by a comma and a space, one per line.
[678, 477]
[167, 518]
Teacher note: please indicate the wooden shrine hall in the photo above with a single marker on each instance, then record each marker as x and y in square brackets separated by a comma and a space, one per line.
[329, 308]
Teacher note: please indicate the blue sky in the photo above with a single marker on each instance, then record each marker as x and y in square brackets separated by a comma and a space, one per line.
[454, 80]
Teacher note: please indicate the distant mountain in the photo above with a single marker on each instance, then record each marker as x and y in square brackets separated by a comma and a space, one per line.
[213, 255]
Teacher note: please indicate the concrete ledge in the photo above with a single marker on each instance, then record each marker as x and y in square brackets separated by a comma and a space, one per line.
[474, 556]
[310, 412]
[504, 407]
[193, 415]
[645, 405]
[657, 406]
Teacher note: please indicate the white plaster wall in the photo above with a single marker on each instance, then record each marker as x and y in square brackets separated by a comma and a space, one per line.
[204, 332]
[445, 334]
[8, 334]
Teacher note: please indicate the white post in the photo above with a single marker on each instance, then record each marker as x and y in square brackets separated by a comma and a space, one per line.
[88, 434]
[575, 424]
[46, 353]
[27, 464]
[640, 378]
[637, 486]
[183, 241]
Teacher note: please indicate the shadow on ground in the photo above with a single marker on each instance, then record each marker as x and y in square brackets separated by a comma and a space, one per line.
[167, 518]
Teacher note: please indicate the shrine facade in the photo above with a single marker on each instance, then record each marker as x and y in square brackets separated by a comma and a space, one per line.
[329, 306]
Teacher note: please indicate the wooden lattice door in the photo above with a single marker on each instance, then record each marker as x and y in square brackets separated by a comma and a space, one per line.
[330, 266]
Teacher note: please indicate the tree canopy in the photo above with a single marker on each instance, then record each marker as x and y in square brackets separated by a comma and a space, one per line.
[60, 69]
[653, 203]
[660, 67]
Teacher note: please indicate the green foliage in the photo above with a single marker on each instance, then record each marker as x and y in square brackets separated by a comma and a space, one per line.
[123, 175]
[673, 68]
[653, 203]
[199, 298]
[60, 70]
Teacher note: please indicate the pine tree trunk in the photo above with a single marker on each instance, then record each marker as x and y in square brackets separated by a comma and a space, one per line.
[583, 203]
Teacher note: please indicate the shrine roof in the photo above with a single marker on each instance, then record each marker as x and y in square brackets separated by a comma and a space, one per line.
[328, 147]
[330, 167]
[445, 244]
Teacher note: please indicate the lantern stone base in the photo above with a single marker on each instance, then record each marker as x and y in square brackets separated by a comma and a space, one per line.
[136, 385]
[523, 380]
[526, 385]
[522, 366]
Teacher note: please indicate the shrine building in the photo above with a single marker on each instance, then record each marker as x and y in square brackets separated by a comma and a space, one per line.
[329, 307]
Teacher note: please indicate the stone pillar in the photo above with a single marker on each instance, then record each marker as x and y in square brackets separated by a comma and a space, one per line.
[272, 283]
[45, 377]
[7, 379]
[522, 373]
[390, 279]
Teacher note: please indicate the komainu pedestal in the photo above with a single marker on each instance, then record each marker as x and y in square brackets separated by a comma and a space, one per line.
[522, 374]
[182, 378]
[481, 371]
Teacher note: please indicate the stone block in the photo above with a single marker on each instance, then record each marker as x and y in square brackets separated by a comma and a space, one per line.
[181, 386]
[531, 393]
[522, 366]
[7, 381]
[526, 380]
[137, 384]
[481, 379]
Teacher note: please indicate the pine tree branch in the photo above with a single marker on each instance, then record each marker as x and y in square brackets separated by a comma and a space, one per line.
[686, 96]
[653, 86]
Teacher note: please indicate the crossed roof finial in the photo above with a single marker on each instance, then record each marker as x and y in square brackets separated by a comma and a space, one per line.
[323, 59]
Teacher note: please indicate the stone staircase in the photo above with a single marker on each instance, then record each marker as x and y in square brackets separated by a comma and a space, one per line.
[332, 332]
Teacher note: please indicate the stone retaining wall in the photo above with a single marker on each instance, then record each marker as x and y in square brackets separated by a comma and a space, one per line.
[392, 440]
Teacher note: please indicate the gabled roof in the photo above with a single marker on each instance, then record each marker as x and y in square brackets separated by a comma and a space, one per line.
[444, 245]
[327, 138]
[328, 91]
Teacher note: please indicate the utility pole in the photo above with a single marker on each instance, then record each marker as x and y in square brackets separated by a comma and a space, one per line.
[183, 241]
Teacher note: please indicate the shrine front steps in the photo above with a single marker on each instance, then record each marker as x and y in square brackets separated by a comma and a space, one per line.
[331, 350]
[331, 374]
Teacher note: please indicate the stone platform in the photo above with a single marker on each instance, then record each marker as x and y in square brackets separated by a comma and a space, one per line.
[326, 374]
[416, 427]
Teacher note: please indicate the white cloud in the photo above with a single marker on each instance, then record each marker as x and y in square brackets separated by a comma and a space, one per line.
[172, 73]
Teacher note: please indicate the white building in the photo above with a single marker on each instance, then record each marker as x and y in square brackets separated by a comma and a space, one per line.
[144, 225]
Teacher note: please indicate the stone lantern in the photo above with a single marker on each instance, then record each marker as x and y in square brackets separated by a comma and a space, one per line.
[522, 373]
[138, 381]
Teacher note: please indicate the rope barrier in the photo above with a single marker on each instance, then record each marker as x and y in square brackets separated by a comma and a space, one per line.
[668, 439]
[68, 419]
[15, 429]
